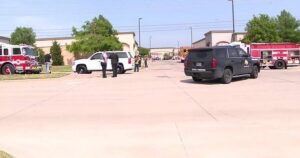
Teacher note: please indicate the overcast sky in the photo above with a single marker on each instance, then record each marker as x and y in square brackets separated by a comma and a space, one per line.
[168, 22]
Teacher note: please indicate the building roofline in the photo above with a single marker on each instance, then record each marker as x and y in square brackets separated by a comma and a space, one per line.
[164, 48]
[199, 40]
[219, 31]
[69, 38]
[54, 38]
[121, 33]
[5, 38]
[240, 33]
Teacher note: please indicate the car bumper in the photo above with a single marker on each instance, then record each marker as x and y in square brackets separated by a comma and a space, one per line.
[207, 74]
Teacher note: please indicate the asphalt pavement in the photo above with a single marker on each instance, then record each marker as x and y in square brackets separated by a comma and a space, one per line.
[156, 113]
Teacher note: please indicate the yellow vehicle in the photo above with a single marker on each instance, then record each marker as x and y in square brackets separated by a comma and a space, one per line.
[183, 52]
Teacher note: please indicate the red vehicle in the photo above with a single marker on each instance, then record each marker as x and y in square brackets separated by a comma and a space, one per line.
[18, 59]
[274, 55]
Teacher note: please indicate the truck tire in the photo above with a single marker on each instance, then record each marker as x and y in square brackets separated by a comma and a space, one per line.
[196, 79]
[254, 73]
[81, 69]
[120, 69]
[227, 76]
[279, 64]
[8, 69]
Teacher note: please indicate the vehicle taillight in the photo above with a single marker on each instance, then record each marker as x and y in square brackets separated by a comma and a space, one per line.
[185, 62]
[214, 63]
[129, 60]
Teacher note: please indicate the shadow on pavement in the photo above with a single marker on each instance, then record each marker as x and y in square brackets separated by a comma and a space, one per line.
[213, 82]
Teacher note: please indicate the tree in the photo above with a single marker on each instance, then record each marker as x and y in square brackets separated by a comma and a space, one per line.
[262, 29]
[288, 27]
[55, 51]
[23, 35]
[41, 55]
[96, 35]
[144, 51]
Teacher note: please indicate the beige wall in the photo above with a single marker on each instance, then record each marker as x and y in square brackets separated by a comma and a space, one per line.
[127, 40]
[214, 38]
[46, 44]
[218, 38]
[200, 44]
[4, 40]
[159, 52]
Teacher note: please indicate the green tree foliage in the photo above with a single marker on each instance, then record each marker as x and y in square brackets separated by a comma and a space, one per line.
[41, 55]
[144, 51]
[55, 51]
[262, 29]
[288, 27]
[96, 35]
[23, 35]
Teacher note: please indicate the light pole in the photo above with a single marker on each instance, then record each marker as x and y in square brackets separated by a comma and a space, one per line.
[233, 21]
[191, 36]
[150, 41]
[140, 32]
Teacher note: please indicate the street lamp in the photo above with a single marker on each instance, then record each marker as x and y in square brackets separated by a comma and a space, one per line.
[191, 36]
[150, 41]
[233, 21]
[140, 32]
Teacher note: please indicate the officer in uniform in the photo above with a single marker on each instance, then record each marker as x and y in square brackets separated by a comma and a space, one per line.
[114, 63]
[104, 64]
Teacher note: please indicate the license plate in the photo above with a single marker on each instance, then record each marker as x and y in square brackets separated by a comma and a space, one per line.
[198, 64]
[198, 70]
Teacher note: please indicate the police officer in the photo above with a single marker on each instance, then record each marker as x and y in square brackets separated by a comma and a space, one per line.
[114, 63]
[48, 62]
[104, 64]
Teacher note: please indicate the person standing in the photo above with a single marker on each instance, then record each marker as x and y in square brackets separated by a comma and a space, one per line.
[136, 64]
[114, 63]
[48, 62]
[146, 61]
[104, 64]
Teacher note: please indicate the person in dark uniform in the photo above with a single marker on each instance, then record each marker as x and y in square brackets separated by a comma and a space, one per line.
[48, 62]
[114, 63]
[104, 64]
[146, 61]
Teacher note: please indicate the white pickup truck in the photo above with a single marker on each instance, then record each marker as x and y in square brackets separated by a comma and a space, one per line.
[83, 66]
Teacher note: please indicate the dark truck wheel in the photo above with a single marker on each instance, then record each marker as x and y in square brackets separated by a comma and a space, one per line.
[279, 64]
[8, 69]
[81, 69]
[254, 73]
[196, 79]
[227, 76]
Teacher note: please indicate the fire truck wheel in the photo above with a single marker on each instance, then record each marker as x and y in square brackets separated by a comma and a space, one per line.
[279, 64]
[8, 69]
[254, 73]
[81, 69]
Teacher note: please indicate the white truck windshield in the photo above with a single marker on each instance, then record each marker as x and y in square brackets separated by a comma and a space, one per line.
[29, 52]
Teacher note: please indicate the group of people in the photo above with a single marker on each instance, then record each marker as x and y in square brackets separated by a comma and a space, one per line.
[114, 64]
[138, 62]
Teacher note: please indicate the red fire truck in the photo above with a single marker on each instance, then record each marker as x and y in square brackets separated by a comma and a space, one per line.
[18, 59]
[274, 55]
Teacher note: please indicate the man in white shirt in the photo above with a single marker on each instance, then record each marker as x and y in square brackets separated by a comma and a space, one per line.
[104, 64]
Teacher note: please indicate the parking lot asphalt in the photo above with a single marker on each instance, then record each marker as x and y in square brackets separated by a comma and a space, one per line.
[156, 113]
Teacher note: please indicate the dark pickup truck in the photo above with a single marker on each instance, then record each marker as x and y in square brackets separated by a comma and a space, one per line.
[221, 62]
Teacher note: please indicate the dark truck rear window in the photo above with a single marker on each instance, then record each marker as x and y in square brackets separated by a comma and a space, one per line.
[200, 54]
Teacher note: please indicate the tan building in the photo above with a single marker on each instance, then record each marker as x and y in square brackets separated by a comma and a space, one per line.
[160, 52]
[4, 39]
[126, 38]
[219, 37]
